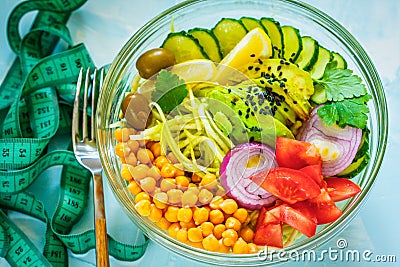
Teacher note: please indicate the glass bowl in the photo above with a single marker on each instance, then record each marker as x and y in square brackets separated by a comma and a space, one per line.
[206, 13]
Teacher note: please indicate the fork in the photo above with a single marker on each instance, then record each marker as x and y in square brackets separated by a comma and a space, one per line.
[86, 153]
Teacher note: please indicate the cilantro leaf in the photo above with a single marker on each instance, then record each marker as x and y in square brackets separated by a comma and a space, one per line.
[169, 90]
[352, 111]
[341, 83]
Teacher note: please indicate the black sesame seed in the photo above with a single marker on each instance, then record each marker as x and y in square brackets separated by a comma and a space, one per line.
[247, 116]
[247, 110]
[282, 98]
[284, 79]
[294, 102]
[278, 68]
[251, 139]
[233, 103]
[282, 84]
[293, 54]
[287, 63]
[273, 75]
[250, 67]
[261, 101]
[285, 90]
[256, 68]
[262, 81]
[253, 103]
[252, 113]
[260, 61]
[247, 96]
[286, 109]
[229, 90]
[252, 55]
[240, 112]
[244, 131]
[267, 76]
[280, 74]
[269, 68]
[255, 109]
[246, 102]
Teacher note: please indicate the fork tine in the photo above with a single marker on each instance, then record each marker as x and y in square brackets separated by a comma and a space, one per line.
[75, 113]
[93, 111]
[85, 103]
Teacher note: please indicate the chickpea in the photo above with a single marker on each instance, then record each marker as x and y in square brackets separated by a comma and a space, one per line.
[160, 161]
[229, 206]
[211, 243]
[218, 230]
[163, 223]
[246, 233]
[168, 171]
[145, 155]
[182, 235]
[200, 215]
[155, 213]
[182, 182]
[122, 150]
[156, 149]
[167, 184]
[241, 214]
[195, 235]
[173, 229]
[141, 196]
[233, 223]
[205, 196]
[229, 237]
[209, 181]
[134, 188]
[131, 159]
[188, 225]
[185, 214]
[216, 217]
[172, 158]
[125, 134]
[252, 248]
[172, 214]
[207, 228]
[160, 200]
[222, 247]
[133, 145]
[240, 247]
[174, 196]
[125, 173]
[215, 202]
[154, 60]
[189, 198]
[139, 172]
[143, 207]
[154, 172]
[148, 184]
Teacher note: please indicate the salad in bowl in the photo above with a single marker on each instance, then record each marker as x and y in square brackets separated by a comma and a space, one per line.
[238, 136]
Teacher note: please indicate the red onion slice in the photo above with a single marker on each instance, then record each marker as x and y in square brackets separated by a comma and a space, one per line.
[235, 173]
[337, 146]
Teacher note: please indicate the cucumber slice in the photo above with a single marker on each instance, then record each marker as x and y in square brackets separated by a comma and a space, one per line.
[324, 57]
[308, 54]
[229, 32]
[275, 34]
[251, 23]
[341, 63]
[208, 41]
[292, 43]
[319, 96]
[184, 46]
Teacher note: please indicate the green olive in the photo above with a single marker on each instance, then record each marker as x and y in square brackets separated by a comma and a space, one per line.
[136, 110]
[154, 60]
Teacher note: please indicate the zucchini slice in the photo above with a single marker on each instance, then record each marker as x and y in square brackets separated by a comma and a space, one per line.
[324, 57]
[229, 32]
[341, 63]
[274, 32]
[308, 54]
[208, 41]
[292, 43]
[184, 46]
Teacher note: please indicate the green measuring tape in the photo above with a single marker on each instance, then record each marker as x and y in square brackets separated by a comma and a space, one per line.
[36, 99]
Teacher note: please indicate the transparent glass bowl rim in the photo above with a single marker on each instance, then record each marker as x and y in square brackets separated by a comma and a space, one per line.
[323, 236]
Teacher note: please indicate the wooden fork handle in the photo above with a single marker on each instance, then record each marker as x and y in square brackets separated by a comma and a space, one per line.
[100, 223]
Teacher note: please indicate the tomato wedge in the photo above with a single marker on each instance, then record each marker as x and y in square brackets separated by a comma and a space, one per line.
[268, 230]
[341, 188]
[298, 220]
[296, 154]
[289, 185]
[315, 172]
[324, 209]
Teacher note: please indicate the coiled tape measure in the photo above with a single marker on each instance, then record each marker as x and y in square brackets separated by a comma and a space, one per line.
[36, 97]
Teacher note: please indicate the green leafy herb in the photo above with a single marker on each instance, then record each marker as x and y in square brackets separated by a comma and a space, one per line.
[341, 83]
[170, 90]
[352, 111]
